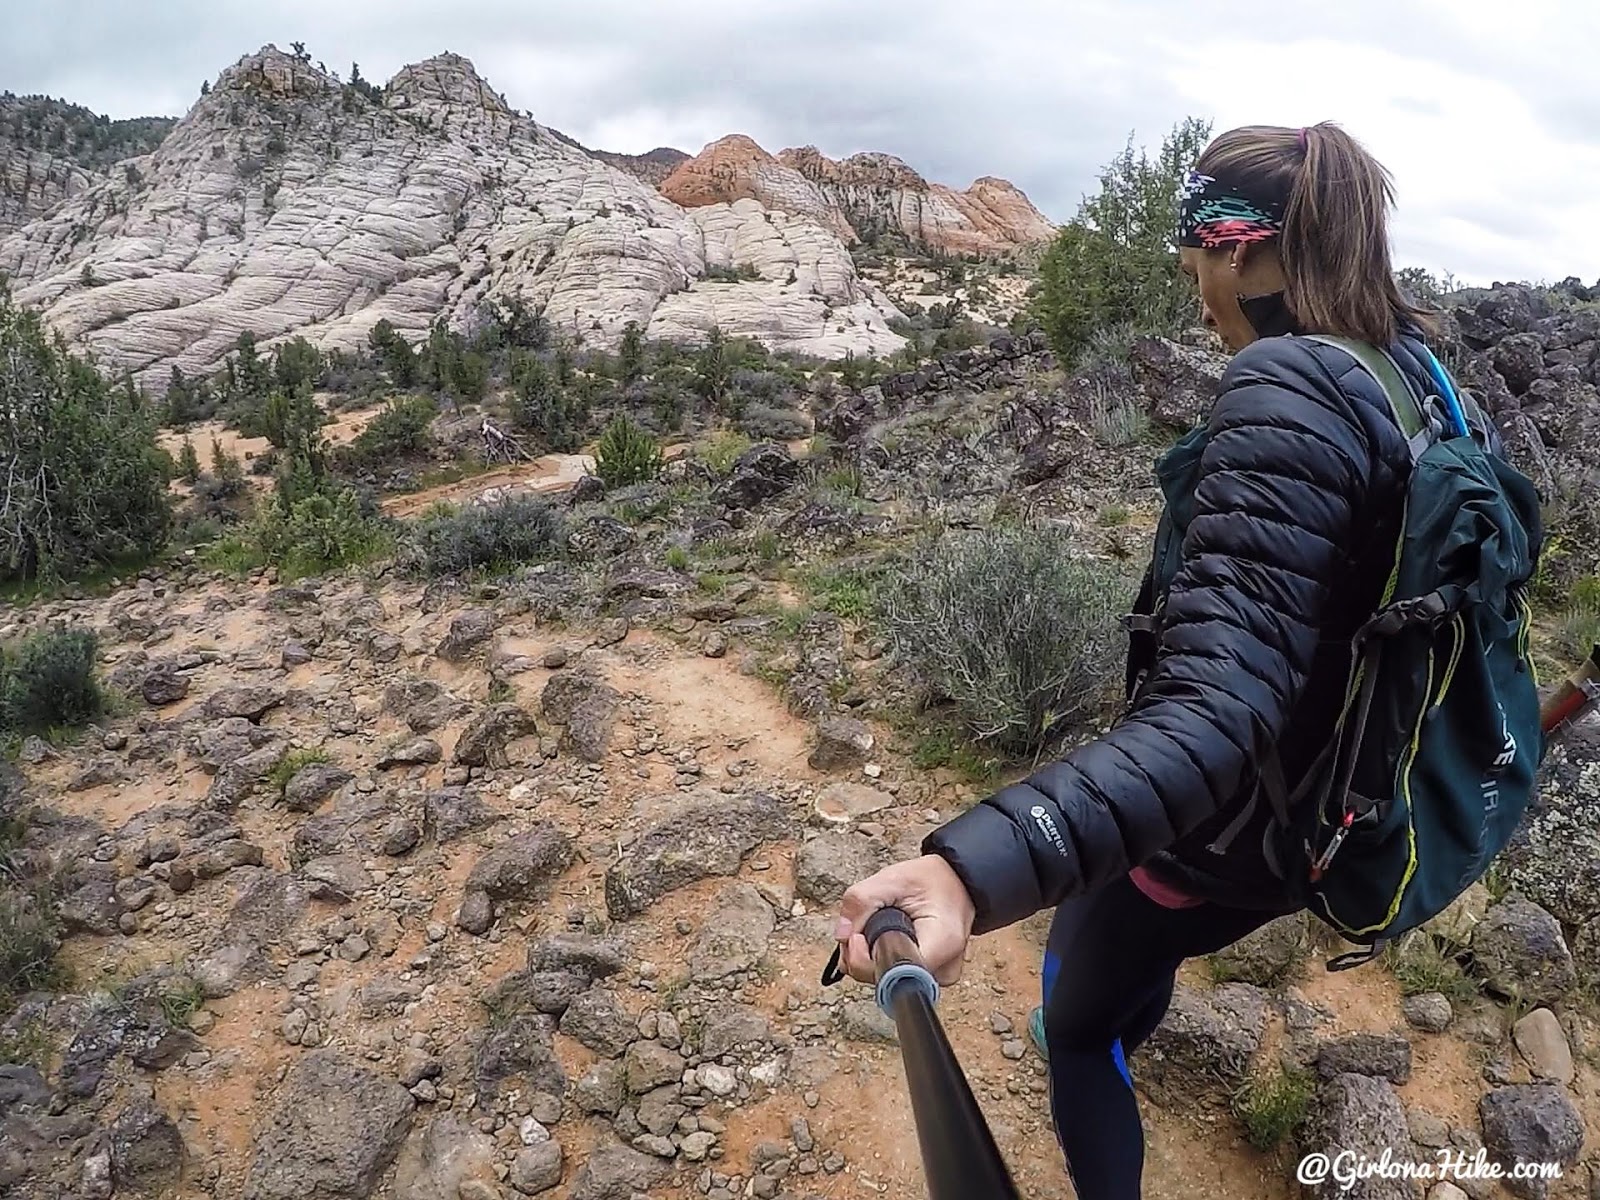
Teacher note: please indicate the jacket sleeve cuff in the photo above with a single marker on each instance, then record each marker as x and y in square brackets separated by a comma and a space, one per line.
[991, 858]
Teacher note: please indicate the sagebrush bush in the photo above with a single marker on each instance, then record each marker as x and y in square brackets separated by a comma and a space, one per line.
[47, 681]
[1116, 418]
[30, 935]
[496, 537]
[765, 423]
[760, 387]
[626, 454]
[1006, 623]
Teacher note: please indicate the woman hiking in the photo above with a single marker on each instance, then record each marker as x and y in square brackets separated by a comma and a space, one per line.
[1149, 842]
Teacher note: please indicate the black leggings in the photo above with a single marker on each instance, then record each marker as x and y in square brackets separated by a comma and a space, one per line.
[1108, 976]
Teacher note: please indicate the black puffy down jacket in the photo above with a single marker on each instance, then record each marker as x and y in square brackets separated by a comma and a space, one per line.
[1297, 513]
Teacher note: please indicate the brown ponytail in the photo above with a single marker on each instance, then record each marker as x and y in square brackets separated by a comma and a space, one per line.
[1335, 242]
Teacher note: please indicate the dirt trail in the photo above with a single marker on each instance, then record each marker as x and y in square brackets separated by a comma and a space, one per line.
[552, 473]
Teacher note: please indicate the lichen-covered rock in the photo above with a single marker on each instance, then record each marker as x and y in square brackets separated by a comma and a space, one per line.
[483, 742]
[1387, 1055]
[830, 863]
[587, 706]
[1360, 1117]
[147, 1152]
[1264, 957]
[251, 702]
[1202, 1049]
[1531, 1123]
[702, 838]
[1521, 951]
[842, 743]
[468, 630]
[334, 1129]
[595, 1019]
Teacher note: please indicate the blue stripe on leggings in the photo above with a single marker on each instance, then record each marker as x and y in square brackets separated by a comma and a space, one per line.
[1122, 1063]
[1052, 967]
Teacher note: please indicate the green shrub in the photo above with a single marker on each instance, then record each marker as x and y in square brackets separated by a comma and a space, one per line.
[181, 998]
[1272, 1107]
[226, 467]
[626, 454]
[1007, 624]
[722, 449]
[744, 272]
[292, 763]
[509, 533]
[321, 530]
[29, 925]
[87, 481]
[1422, 964]
[846, 594]
[47, 681]
[401, 429]
[547, 407]
[1579, 631]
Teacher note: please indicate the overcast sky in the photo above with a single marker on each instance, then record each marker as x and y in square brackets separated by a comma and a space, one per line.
[1486, 111]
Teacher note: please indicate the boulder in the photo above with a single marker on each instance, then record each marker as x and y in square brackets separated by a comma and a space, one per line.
[334, 1130]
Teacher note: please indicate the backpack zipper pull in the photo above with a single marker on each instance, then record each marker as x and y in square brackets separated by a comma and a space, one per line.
[1321, 864]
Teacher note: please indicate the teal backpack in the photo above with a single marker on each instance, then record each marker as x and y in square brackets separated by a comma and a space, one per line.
[1432, 761]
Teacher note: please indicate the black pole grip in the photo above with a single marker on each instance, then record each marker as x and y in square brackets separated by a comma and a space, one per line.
[888, 920]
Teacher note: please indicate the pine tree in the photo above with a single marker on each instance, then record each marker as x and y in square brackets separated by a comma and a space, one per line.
[188, 463]
[87, 481]
[181, 407]
[714, 370]
[630, 354]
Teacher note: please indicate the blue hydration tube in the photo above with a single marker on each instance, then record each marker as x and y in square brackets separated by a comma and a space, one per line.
[1448, 391]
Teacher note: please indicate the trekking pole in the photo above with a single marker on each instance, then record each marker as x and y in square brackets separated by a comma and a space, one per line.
[1577, 696]
[960, 1160]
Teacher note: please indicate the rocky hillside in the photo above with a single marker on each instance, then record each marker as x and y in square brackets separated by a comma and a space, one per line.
[403, 890]
[863, 197]
[285, 201]
[50, 150]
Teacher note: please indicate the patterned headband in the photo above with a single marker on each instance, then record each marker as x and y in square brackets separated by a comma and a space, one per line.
[1212, 213]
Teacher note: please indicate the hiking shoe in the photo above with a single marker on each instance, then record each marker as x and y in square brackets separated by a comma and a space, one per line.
[1036, 1031]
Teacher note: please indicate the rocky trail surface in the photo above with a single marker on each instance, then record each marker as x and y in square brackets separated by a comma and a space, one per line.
[541, 909]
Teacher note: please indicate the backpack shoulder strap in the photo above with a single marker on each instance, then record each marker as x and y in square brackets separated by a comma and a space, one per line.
[1404, 405]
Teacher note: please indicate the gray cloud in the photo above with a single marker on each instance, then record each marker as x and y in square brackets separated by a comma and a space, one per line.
[1489, 126]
